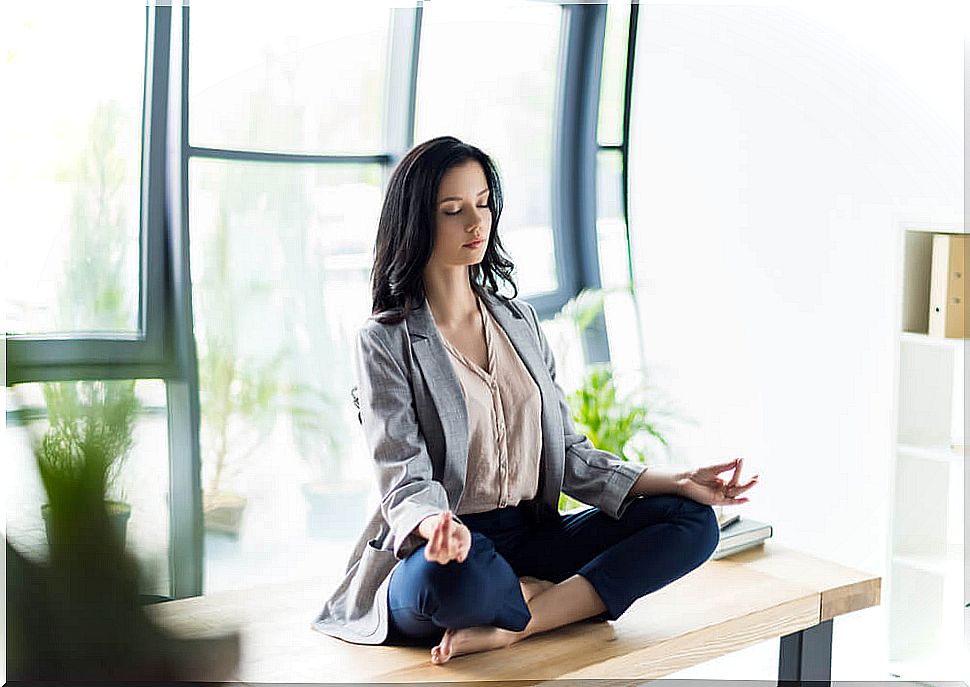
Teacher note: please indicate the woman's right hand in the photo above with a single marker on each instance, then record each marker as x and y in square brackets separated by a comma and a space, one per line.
[448, 540]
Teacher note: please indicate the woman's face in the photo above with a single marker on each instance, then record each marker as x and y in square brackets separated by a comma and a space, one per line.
[463, 221]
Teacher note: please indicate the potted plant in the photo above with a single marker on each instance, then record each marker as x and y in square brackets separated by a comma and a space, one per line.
[622, 423]
[90, 436]
[79, 615]
[614, 422]
[239, 401]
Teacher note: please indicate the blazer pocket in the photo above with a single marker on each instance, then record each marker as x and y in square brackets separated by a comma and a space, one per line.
[374, 566]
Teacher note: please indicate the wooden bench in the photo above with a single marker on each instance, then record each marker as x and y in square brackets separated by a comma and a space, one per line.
[724, 605]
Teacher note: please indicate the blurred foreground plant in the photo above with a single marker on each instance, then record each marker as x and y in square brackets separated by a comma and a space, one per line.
[79, 616]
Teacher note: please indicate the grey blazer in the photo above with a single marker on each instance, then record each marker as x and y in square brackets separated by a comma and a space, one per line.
[416, 426]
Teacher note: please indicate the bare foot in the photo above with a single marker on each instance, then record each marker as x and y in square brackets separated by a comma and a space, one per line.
[469, 640]
[533, 585]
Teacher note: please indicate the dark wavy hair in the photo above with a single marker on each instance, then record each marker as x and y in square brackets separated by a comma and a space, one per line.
[405, 232]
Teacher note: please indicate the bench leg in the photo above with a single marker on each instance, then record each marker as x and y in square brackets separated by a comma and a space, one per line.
[806, 655]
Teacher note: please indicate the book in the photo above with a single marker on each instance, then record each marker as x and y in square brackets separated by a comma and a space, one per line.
[948, 286]
[741, 534]
[725, 519]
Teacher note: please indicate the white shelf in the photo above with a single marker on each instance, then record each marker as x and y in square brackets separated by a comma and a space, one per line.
[926, 339]
[942, 453]
[937, 228]
[926, 587]
[950, 564]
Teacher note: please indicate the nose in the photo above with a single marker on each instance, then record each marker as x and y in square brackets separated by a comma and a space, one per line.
[476, 220]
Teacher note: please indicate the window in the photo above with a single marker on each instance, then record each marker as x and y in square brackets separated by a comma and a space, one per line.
[71, 166]
[280, 254]
[609, 130]
[294, 77]
[502, 100]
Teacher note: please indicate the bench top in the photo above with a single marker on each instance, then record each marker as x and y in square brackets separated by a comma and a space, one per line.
[722, 606]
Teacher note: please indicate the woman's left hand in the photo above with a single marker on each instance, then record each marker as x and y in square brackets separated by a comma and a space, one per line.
[704, 486]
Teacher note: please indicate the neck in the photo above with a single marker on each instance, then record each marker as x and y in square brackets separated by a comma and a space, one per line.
[450, 296]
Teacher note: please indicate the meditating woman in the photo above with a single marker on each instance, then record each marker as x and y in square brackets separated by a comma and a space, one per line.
[472, 442]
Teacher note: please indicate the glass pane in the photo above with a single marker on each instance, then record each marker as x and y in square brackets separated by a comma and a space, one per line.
[70, 168]
[619, 309]
[502, 101]
[610, 226]
[294, 77]
[281, 256]
[140, 480]
[610, 126]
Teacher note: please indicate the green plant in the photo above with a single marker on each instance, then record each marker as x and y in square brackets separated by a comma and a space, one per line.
[609, 420]
[79, 615]
[231, 386]
[621, 423]
[80, 456]
[90, 433]
[612, 421]
[583, 308]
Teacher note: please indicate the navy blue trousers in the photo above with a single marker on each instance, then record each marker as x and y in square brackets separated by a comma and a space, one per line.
[657, 540]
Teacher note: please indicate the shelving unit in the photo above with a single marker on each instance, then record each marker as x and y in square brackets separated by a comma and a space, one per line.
[927, 590]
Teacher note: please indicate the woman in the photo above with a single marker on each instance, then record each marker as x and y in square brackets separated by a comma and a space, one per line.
[473, 441]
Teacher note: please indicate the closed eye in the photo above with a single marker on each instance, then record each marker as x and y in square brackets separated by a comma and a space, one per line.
[459, 211]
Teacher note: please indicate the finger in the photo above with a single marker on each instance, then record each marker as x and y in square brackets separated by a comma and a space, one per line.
[737, 472]
[459, 541]
[434, 545]
[740, 488]
[464, 547]
[454, 550]
[446, 532]
[732, 501]
[744, 487]
[721, 467]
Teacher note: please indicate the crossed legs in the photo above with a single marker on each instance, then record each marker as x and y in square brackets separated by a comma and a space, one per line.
[588, 565]
[551, 605]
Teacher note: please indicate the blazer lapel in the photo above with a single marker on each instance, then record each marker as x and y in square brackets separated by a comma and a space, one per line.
[445, 391]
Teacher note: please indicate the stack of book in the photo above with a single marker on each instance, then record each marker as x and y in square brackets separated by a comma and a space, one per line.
[738, 534]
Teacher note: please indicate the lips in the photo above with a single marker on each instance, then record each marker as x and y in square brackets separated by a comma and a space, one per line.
[474, 244]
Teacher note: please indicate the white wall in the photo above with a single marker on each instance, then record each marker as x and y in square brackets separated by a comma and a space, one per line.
[774, 150]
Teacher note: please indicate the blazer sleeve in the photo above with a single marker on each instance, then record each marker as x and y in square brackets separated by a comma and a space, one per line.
[597, 478]
[409, 494]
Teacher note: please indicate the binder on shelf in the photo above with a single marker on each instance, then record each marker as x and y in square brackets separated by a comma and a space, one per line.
[948, 286]
[740, 535]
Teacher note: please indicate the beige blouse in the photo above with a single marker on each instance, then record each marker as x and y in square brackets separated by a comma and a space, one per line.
[504, 431]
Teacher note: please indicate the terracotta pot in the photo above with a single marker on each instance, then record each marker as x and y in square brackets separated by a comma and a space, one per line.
[223, 511]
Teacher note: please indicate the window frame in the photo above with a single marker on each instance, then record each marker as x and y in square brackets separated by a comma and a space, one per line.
[109, 355]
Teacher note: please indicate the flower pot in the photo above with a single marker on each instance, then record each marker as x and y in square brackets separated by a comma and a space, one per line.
[222, 512]
[335, 511]
[118, 514]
